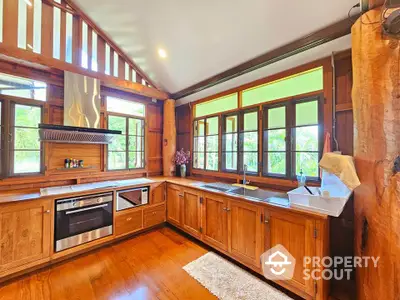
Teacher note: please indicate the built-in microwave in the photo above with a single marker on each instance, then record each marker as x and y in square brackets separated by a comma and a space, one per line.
[132, 197]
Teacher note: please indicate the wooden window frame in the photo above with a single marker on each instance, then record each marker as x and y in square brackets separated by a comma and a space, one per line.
[291, 136]
[127, 135]
[205, 142]
[224, 133]
[8, 111]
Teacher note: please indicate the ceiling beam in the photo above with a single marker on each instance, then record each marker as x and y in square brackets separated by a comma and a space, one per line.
[315, 39]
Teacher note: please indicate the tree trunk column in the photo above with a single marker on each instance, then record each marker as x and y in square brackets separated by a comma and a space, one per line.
[169, 138]
[376, 108]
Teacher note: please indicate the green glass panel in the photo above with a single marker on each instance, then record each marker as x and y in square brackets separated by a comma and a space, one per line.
[116, 160]
[212, 143]
[135, 143]
[198, 145]
[26, 139]
[125, 107]
[308, 162]
[27, 116]
[26, 162]
[136, 127]
[135, 160]
[231, 124]
[117, 123]
[212, 161]
[22, 87]
[307, 113]
[230, 142]
[276, 140]
[277, 163]
[307, 138]
[277, 117]
[212, 126]
[250, 121]
[251, 160]
[198, 160]
[199, 128]
[250, 141]
[231, 161]
[217, 105]
[301, 83]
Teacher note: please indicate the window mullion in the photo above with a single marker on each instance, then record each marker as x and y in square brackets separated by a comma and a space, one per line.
[127, 143]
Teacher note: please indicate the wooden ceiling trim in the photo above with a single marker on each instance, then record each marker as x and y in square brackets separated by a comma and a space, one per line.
[12, 53]
[317, 38]
[109, 41]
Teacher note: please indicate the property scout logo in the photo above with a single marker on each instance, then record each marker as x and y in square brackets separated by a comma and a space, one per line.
[278, 264]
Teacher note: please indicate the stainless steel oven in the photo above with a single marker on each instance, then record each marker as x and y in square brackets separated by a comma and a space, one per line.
[132, 198]
[83, 219]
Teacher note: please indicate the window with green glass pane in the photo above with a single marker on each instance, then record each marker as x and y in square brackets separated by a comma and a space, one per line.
[249, 141]
[206, 144]
[26, 148]
[230, 143]
[305, 82]
[216, 105]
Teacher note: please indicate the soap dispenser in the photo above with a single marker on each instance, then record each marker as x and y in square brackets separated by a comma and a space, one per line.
[301, 179]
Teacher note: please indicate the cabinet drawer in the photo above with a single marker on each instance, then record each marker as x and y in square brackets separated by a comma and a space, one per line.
[154, 215]
[128, 222]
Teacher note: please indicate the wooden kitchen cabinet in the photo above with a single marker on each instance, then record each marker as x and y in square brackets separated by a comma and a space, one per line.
[214, 221]
[128, 221]
[191, 217]
[245, 231]
[157, 194]
[174, 204]
[297, 234]
[24, 234]
[153, 215]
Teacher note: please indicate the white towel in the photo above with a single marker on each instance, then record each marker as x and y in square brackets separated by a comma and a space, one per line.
[342, 166]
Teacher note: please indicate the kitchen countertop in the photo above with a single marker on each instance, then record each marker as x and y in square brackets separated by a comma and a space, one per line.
[104, 186]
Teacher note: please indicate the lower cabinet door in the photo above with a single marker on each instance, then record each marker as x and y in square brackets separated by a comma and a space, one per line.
[174, 198]
[24, 233]
[296, 233]
[245, 232]
[153, 215]
[192, 211]
[128, 221]
[214, 220]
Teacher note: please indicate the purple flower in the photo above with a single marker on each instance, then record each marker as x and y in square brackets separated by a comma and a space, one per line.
[182, 157]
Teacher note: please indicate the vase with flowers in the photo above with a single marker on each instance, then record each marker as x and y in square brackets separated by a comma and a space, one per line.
[182, 158]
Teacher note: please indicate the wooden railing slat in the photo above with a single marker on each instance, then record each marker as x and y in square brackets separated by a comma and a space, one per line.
[47, 30]
[10, 22]
[101, 54]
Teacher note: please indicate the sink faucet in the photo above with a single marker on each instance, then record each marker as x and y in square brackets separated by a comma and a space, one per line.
[244, 174]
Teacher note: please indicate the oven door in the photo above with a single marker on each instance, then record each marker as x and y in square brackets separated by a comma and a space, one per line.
[83, 219]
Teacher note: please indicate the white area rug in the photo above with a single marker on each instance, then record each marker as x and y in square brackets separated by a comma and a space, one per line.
[228, 281]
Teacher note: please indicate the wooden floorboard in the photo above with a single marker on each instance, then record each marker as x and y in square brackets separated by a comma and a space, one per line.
[148, 266]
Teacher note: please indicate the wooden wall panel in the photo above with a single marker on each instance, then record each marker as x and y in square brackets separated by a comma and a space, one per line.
[121, 68]
[10, 24]
[47, 30]
[183, 127]
[154, 139]
[58, 152]
[56, 115]
[76, 40]
[155, 120]
[169, 137]
[101, 54]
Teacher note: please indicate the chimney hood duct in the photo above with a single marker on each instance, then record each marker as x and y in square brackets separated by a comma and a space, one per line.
[81, 114]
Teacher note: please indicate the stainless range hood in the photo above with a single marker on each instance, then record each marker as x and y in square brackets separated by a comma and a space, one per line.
[81, 114]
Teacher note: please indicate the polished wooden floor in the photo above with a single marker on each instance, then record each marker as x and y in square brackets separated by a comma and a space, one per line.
[148, 266]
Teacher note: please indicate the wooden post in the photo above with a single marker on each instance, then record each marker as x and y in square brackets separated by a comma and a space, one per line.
[169, 137]
[376, 107]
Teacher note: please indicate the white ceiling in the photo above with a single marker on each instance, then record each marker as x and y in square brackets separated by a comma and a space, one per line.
[203, 38]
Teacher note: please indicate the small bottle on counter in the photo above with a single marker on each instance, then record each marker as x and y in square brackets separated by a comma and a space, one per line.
[81, 163]
[67, 163]
[71, 163]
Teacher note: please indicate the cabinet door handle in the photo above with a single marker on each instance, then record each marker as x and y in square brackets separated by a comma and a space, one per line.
[266, 221]
[226, 209]
[47, 211]
[180, 195]
[129, 219]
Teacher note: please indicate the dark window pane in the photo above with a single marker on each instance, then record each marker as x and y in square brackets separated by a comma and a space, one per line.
[307, 138]
[27, 116]
[276, 140]
[307, 113]
[116, 160]
[198, 145]
[277, 117]
[308, 162]
[212, 143]
[26, 139]
[27, 162]
[212, 161]
[212, 126]
[231, 124]
[198, 160]
[251, 160]
[250, 141]
[117, 123]
[231, 161]
[136, 127]
[277, 163]
[250, 121]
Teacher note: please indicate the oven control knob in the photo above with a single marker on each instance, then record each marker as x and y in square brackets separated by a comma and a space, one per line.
[74, 204]
[100, 200]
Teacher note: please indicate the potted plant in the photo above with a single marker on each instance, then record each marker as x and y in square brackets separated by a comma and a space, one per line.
[182, 158]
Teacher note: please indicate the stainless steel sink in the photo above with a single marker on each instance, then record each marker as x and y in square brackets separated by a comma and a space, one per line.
[261, 195]
[222, 187]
